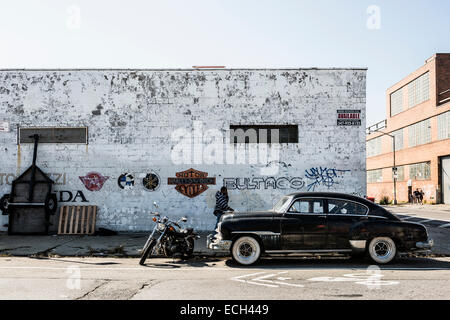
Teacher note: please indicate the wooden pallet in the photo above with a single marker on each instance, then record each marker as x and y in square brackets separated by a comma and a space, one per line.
[77, 219]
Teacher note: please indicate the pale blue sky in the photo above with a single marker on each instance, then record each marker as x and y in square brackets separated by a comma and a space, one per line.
[237, 34]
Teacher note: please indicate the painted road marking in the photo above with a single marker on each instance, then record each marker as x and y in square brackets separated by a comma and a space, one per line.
[264, 281]
[372, 279]
[369, 279]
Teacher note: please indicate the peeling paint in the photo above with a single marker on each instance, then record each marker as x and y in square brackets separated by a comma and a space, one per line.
[130, 115]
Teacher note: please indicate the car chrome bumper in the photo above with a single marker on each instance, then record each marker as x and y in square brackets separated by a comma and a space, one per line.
[425, 245]
[217, 244]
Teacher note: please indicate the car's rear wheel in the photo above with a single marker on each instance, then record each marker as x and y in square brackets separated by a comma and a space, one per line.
[246, 250]
[382, 250]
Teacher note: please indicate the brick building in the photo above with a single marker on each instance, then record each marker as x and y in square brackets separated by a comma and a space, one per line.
[121, 139]
[418, 109]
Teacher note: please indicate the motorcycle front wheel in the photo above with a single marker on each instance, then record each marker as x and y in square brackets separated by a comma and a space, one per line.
[147, 251]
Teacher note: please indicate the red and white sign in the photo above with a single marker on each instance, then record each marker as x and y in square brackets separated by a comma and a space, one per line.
[347, 117]
[93, 181]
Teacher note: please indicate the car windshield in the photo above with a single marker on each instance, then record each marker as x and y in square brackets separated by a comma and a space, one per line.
[278, 207]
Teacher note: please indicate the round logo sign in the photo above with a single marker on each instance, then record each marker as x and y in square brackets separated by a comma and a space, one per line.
[126, 181]
[151, 181]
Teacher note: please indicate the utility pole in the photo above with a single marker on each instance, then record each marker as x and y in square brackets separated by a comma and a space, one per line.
[394, 170]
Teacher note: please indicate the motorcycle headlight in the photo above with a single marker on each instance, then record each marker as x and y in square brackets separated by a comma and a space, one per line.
[161, 226]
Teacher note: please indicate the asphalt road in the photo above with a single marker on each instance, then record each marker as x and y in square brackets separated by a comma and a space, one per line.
[201, 279]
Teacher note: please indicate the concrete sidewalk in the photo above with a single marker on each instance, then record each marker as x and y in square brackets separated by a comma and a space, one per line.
[121, 245]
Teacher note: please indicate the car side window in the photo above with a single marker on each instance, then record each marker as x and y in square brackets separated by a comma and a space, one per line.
[345, 207]
[307, 206]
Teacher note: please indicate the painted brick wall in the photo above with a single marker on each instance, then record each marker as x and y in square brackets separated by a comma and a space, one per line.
[131, 114]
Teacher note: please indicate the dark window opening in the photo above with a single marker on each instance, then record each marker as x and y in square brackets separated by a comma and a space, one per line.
[264, 133]
[53, 135]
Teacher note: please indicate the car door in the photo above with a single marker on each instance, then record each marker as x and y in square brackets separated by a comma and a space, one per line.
[304, 225]
[341, 216]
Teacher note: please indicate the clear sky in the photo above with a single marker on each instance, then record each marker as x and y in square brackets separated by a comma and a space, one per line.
[391, 40]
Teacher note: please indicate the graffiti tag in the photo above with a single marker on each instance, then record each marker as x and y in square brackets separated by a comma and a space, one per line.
[323, 176]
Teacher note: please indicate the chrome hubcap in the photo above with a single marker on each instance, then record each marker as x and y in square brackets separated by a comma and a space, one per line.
[245, 250]
[382, 249]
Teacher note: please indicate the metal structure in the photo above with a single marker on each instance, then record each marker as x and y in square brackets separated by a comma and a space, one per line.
[31, 201]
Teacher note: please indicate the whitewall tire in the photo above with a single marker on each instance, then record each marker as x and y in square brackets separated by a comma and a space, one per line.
[246, 250]
[382, 250]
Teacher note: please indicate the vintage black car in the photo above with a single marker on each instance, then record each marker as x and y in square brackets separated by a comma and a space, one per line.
[319, 223]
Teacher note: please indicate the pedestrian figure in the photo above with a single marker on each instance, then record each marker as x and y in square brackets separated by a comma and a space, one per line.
[416, 195]
[221, 204]
[421, 193]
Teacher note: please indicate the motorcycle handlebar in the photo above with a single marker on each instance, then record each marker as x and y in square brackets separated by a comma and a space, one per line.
[168, 221]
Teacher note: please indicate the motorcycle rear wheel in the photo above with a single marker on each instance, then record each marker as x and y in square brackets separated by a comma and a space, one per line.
[147, 251]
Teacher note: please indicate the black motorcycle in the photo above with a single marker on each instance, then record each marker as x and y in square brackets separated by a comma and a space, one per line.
[169, 239]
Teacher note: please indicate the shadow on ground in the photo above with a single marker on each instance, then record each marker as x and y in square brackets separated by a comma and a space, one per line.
[407, 263]
[198, 262]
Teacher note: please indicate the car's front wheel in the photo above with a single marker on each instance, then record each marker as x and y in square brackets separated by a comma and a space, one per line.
[382, 250]
[246, 250]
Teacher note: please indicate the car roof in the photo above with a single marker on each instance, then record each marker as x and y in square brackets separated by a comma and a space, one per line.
[327, 194]
[372, 205]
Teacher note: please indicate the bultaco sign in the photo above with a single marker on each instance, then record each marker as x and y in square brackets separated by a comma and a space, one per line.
[348, 117]
[191, 182]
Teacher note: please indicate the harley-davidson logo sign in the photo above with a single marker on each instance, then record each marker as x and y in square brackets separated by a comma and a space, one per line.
[93, 181]
[191, 182]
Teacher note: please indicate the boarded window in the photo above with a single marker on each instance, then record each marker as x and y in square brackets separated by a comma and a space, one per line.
[397, 102]
[374, 176]
[443, 121]
[53, 135]
[264, 133]
[419, 133]
[398, 136]
[420, 171]
[373, 147]
[419, 90]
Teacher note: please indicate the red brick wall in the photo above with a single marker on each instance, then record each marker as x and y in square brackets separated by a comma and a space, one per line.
[443, 75]
[439, 68]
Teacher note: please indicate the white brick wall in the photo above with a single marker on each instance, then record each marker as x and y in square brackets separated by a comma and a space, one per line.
[140, 109]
